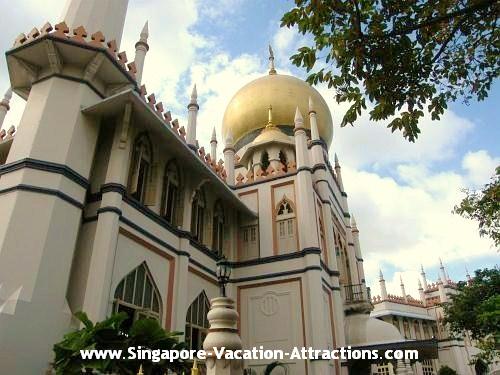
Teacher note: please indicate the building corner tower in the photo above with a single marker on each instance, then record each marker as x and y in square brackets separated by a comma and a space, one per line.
[42, 202]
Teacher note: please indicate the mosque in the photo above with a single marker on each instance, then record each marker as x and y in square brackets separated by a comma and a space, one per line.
[110, 204]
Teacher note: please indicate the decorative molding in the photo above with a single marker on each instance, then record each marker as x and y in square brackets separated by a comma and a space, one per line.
[46, 166]
[40, 190]
[276, 274]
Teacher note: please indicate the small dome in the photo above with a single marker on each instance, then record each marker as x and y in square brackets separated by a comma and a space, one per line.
[271, 134]
[361, 330]
[247, 111]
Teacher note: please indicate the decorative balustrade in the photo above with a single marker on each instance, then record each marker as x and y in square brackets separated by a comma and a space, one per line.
[354, 293]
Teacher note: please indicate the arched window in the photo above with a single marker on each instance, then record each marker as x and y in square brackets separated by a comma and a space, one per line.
[197, 322]
[197, 215]
[170, 192]
[140, 168]
[218, 228]
[285, 227]
[283, 161]
[138, 296]
[264, 161]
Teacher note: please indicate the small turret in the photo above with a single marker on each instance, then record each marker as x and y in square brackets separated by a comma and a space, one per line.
[383, 289]
[229, 159]
[444, 277]
[424, 278]
[300, 141]
[338, 173]
[141, 49]
[5, 105]
[421, 292]
[403, 291]
[213, 145]
[193, 108]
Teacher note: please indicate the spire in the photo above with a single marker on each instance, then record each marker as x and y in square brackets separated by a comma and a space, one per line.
[194, 96]
[353, 223]
[141, 49]
[107, 16]
[272, 69]
[145, 33]
[213, 145]
[214, 136]
[403, 291]
[313, 121]
[444, 277]
[336, 159]
[5, 105]
[467, 274]
[229, 139]
[383, 289]
[193, 108]
[424, 279]
[311, 105]
[298, 120]
[420, 285]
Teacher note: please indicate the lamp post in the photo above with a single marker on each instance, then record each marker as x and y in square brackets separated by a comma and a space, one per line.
[223, 274]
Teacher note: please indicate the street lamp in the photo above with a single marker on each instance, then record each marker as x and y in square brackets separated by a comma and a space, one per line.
[223, 273]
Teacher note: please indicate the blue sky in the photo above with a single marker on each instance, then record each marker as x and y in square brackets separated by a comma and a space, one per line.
[401, 194]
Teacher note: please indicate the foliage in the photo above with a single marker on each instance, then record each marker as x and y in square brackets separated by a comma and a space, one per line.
[403, 56]
[109, 334]
[445, 370]
[484, 206]
[476, 310]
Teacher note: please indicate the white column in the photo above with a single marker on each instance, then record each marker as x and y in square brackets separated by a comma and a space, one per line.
[141, 49]
[317, 148]
[107, 16]
[193, 108]
[229, 160]
[4, 105]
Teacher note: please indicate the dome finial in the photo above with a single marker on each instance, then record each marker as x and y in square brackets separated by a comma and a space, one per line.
[272, 69]
[270, 116]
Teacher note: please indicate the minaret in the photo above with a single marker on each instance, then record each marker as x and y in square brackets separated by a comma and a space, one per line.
[467, 274]
[213, 145]
[229, 159]
[5, 105]
[403, 291]
[421, 292]
[316, 148]
[383, 289]
[424, 279]
[338, 173]
[107, 16]
[141, 49]
[444, 277]
[193, 108]
[308, 239]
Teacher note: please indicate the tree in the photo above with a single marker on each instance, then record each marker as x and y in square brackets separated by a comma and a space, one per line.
[484, 206]
[109, 334]
[403, 56]
[476, 309]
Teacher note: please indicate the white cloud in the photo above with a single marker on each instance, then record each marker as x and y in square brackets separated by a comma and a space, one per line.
[410, 223]
[480, 167]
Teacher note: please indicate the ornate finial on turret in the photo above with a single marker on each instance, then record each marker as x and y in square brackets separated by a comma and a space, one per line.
[214, 136]
[141, 49]
[270, 116]
[272, 69]
[145, 33]
[194, 96]
[337, 165]
[298, 120]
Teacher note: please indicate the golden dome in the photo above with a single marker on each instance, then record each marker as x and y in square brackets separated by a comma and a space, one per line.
[247, 110]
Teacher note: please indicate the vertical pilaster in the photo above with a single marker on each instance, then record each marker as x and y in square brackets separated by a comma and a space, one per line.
[98, 298]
